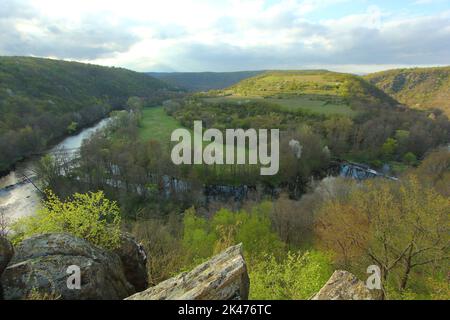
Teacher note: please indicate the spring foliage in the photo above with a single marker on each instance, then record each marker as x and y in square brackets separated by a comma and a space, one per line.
[88, 216]
[296, 277]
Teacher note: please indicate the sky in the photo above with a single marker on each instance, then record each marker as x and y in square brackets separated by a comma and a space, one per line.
[357, 36]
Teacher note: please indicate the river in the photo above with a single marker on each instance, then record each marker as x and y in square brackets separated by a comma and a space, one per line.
[18, 196]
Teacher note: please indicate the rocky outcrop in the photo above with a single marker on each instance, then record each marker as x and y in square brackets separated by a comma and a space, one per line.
[40, 265]
[344, 286]
[134, 261]
[6, 253]
[224, 277]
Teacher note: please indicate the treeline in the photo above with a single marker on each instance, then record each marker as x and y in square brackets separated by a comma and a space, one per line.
[42, 100]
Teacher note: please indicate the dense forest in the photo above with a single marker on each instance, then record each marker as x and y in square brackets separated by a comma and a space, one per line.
[42, 100]
[419, 88]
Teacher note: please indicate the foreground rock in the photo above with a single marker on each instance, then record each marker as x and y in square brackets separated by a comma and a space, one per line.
[134, 261]
[6, 253]
[224, 277]
[344, 286]
[41, 262]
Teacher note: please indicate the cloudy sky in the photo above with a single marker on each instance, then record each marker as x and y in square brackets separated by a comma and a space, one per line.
[230, 35]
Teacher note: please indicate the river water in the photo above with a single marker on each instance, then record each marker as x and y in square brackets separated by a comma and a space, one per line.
[18, 196]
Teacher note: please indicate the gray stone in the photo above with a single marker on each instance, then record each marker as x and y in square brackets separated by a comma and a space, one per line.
[224, 277]
[41, 262]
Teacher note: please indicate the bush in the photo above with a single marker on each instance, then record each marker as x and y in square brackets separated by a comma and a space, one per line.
[88, 216]
[410, 158]
[202, 237]
[297, 277]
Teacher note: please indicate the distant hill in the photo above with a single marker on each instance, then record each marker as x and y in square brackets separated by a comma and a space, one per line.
[42, 100]
[203, 81]
[319, 84]
[419, 88]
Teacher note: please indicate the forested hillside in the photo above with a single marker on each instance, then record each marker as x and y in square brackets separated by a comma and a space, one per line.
[203, 81]
[419, 88]
[42, 100]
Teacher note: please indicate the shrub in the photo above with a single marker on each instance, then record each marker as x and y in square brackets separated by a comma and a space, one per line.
[297, 277]
[89, 216]
[204, 237]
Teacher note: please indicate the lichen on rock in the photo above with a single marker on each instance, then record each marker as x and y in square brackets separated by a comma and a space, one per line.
[223, 277]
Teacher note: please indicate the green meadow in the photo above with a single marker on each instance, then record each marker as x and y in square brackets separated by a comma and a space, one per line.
[157, 125]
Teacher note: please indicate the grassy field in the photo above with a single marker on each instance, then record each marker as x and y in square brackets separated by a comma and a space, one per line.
[157, 125]
[306, 103]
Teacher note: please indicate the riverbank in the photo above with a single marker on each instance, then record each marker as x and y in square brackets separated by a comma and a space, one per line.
[18, 196]
[50, 145]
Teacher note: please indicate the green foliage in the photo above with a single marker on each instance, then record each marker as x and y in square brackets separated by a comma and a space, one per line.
[72, 127]
[298, 276]
[89, 216]
[389, 147]
[203, 237]
[197, 236]
[410, 158]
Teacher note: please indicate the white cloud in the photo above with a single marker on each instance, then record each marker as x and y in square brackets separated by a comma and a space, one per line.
[195, 35]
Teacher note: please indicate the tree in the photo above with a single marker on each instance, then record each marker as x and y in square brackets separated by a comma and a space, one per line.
[72, 127]
[410, 158]
[389, 148]
[338, 130]
[397, 226]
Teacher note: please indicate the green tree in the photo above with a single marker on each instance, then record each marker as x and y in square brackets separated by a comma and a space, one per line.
[72, 127]
[410, 158]
[389, 148]
[197, 236]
